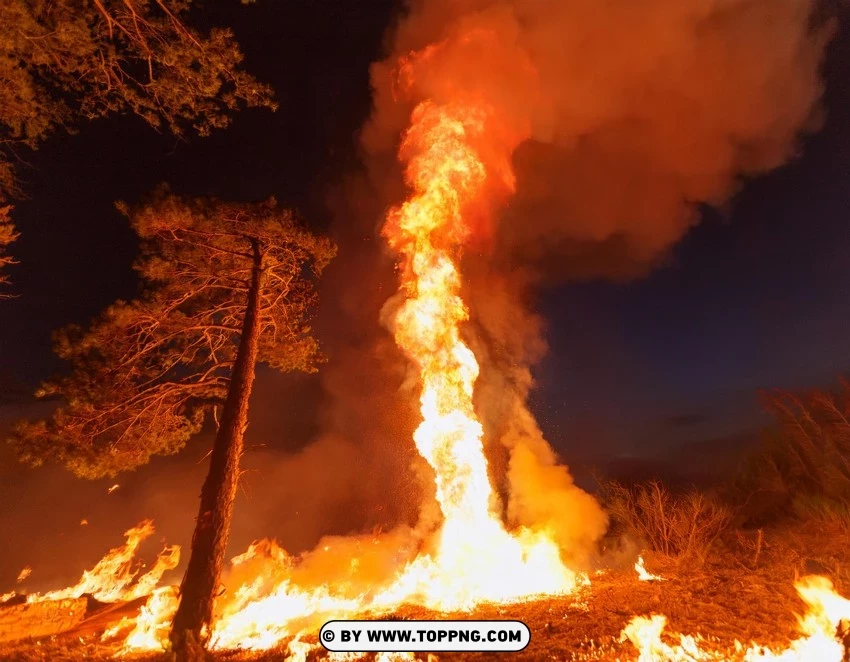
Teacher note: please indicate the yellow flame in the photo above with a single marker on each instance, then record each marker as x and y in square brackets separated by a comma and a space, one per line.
[116, 576]
[643, 574]
[475, 558]
[818, 639]
[154, 621]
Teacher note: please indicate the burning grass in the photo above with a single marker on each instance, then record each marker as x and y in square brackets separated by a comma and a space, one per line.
[733, 596]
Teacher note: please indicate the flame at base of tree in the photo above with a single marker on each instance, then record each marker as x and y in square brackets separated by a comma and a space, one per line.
[267, 603]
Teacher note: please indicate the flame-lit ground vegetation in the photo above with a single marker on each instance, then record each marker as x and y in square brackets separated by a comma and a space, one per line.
[743, 591]
[719, 566]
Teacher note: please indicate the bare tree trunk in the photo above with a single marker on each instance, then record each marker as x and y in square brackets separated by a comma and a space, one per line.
[190, 628]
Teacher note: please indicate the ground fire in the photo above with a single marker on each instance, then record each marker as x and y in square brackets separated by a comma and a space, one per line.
[265, 609]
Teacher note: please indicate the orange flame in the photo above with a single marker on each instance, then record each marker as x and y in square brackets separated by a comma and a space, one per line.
[475, 557]
[818, 629]
[116, 576]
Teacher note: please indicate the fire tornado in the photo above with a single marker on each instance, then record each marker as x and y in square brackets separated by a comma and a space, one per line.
[474, 557]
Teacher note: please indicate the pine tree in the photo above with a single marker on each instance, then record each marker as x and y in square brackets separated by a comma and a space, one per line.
[62, 61]
[225, 286]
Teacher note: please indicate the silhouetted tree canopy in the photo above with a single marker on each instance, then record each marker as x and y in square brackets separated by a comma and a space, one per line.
[144, 375]
[7, 236]
[66, 60]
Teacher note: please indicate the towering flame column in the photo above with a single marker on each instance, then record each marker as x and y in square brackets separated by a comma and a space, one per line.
[475, 557]
[427, 230]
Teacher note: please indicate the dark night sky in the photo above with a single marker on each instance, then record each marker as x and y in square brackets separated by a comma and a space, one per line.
[757, 297]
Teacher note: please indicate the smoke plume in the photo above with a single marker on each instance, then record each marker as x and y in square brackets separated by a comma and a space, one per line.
[610, 123]
[629, 114]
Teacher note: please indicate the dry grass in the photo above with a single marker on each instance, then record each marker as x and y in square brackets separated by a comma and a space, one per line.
[803, 468]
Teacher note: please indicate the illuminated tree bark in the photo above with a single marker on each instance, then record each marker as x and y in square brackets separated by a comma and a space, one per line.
[209, 543]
